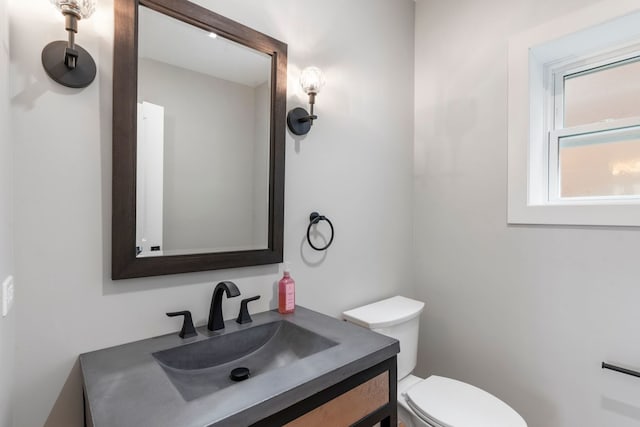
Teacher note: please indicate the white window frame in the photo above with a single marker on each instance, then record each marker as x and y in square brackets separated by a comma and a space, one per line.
[537, 58]
[556, 75]
[621, 127]
[558, 72]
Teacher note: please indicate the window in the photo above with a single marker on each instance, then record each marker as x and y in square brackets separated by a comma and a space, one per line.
[594, 137]
[574, 119]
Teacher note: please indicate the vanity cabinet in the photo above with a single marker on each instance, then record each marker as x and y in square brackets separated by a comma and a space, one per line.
[362, 400]
[365, 399]
[352, 382]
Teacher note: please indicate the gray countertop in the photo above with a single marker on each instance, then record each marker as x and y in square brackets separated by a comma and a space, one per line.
[126, 387]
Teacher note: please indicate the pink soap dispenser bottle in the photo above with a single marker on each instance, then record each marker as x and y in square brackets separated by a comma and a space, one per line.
[286, 292]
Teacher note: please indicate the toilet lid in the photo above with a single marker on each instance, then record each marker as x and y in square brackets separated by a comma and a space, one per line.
[383, 314]
[450, 403]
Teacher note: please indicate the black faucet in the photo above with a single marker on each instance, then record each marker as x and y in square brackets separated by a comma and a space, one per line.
[244, 316]
[216, 322]
[188, 330]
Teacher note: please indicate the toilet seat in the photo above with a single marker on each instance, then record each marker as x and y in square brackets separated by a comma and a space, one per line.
[445, 402]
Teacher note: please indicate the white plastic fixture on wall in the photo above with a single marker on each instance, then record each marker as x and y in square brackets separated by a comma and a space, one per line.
[7, 295]
[150, 178]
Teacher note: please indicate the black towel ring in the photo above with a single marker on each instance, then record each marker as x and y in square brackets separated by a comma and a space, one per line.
[315, 218]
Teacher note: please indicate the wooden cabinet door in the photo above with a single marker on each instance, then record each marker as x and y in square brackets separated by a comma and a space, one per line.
[349, 407]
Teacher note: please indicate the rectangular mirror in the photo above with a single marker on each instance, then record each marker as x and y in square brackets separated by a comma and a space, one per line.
[198, 166]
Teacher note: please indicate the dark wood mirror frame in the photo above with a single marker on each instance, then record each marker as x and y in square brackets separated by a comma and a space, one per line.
[125, 264]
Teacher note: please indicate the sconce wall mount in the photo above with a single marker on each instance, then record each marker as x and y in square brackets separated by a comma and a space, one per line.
[64, 61]
[299, 120]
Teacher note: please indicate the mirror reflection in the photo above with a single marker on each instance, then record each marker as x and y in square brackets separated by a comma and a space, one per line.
[203, 141]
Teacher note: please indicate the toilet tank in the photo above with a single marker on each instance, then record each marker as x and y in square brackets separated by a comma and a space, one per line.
[397, 317]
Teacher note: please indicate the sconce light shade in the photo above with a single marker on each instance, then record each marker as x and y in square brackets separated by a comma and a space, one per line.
[312, 80]
[64, 61]
[82, 8]
[299, 120]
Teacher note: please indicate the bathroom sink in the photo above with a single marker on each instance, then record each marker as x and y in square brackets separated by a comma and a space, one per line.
[166, 381]
[206, 366]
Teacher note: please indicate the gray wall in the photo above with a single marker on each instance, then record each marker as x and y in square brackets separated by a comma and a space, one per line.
[208, 157]
[6, 229]
[356, 161]
[525, 312]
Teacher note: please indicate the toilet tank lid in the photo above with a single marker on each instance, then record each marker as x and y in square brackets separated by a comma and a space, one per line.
[385, 313]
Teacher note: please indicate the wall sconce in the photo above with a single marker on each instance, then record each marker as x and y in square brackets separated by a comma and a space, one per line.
[299, 120]
[65, 61]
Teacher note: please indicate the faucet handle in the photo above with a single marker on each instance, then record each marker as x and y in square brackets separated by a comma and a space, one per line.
[188, 330]
[243, 316]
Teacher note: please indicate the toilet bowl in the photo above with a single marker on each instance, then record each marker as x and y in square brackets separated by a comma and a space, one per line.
[435, 401]
[445, 402]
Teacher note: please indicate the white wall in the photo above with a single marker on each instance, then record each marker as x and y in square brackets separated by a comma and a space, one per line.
[354, 167]
[6, 231]
[525, 312]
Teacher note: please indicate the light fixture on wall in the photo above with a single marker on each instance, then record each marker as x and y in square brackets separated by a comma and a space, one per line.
[65, 61]
[298, 119]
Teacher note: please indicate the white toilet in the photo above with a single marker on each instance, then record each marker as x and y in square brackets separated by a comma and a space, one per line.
[435, 401]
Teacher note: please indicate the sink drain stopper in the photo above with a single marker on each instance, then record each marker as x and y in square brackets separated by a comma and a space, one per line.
[239, 374]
